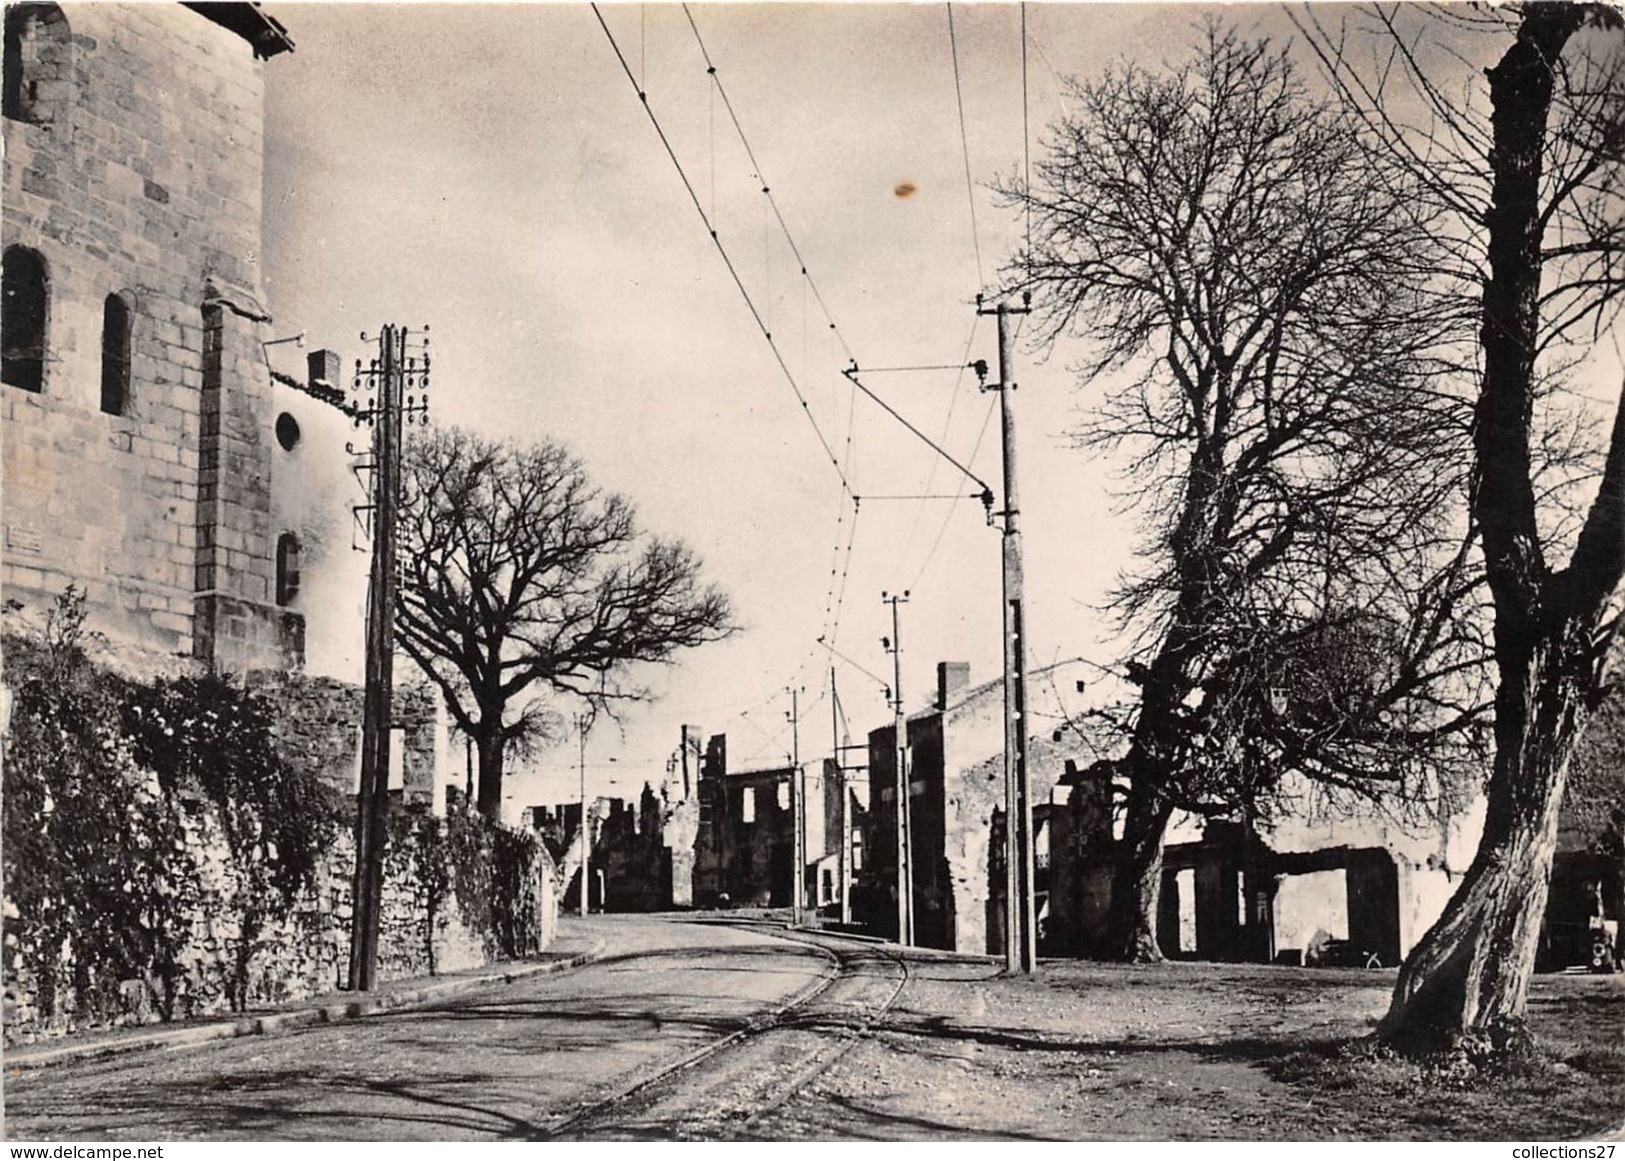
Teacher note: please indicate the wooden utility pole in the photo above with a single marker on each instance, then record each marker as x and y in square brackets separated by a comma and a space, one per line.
[586, 827]
[840, 744]
[798, 815]
[468, 772]
[688, 782]
[905, 854]
[386, 375]
[1020, 922]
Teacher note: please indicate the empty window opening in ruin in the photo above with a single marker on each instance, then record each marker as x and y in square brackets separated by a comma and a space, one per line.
[38, 66]
[22, 319]
[117, 329]
[287, 568]
[287, 431]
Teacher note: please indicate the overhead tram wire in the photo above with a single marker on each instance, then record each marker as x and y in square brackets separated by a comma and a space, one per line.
[846, 569]
[834, 624]
[840, 555]
[795, 250]
[1060, 79]
[840, 565]
[789, 238]
[987, 419]
[874, 677]
[840, 558]
[756, 313]
[853, 372]
[1026, 168]
[1026, 165]
[835, 593]
[712, 709]
[835, 598]
[710, 227]
[831, 619]
[767, 189]
[927, 367]
[964, 145]
[931, 476]
[1026, 145]
[981, 279]
[699, 208]
[772, 739]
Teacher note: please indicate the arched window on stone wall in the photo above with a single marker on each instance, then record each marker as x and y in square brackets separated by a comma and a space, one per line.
[117, 327]
[287, 568]
[38, 63]
[23, 314]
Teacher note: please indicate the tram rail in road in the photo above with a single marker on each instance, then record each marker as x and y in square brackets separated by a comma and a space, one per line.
[730, 1084]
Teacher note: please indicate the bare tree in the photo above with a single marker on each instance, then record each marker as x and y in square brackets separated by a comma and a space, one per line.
[1259, 298]
[1531, 169]
[519, 574]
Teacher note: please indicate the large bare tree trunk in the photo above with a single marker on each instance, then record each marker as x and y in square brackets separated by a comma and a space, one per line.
[1131, 917]
[1466, 984]
[490, 743]
[1131, 913]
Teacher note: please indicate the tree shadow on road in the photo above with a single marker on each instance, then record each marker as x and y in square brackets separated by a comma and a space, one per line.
[847, 1118]
[284, 1104]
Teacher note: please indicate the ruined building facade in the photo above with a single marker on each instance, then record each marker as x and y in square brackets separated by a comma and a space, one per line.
[956, 806]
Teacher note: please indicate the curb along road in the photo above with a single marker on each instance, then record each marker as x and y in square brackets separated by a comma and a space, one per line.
[32, 1056]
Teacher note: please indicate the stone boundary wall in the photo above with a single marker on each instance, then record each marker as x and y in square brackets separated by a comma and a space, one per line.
[304, 955]
[426, 928]
[319, 729]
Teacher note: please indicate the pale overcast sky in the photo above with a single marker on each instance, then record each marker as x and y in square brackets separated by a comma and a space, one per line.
[488, 170]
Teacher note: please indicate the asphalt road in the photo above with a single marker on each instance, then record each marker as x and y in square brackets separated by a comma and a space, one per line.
[551, 1055]
[689, 1030]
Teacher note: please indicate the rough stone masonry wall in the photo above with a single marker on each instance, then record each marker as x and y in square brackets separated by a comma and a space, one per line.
[319, 729]
[303, 955]
[306, 953]
[144, 178]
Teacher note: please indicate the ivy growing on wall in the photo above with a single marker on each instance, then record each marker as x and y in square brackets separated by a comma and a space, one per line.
[417, 845]
[493, 871]
[100, 776]
[95, 856]
[514, 916]
[114, 789]
[208, 737]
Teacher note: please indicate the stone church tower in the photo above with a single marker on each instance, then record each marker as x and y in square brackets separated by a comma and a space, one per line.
[138, 415]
